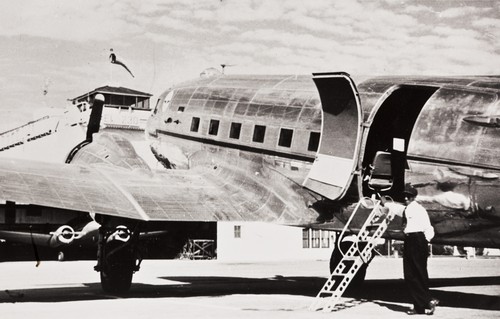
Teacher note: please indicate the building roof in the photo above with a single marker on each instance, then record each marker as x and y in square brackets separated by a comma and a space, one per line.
[113, 90]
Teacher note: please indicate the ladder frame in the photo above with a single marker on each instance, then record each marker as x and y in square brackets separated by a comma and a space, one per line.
[329, 296]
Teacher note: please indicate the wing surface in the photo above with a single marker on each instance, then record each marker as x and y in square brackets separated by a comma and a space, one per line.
[26, 237]
[174, 195]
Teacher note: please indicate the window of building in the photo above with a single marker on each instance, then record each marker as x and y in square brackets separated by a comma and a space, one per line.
[235, 130]
[313, 141]
[305, 238]
[315, 240]
[237, 231]
[195, 124]
[325, 239]
[285, 139]
[213, 128]
[259, 133]
[181, 109]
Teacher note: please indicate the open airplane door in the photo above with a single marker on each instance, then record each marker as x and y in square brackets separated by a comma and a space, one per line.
[337, 157]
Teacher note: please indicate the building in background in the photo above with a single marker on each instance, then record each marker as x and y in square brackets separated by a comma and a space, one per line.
[123, 107]
[258, 241]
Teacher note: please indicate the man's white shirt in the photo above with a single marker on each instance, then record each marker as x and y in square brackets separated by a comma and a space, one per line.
[417, 219]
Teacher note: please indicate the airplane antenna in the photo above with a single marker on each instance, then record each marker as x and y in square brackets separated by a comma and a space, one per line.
[224, 66]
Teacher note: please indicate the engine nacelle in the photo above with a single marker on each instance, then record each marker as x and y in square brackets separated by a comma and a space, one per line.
[64, 235]
[121, 233]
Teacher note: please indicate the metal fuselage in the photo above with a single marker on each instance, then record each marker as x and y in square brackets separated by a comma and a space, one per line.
[442, 134]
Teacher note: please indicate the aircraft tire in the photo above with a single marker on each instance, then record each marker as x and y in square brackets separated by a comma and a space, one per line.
[116, 275]
[116, 279]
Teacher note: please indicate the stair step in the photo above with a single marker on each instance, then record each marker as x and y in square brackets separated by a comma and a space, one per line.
[343, 274]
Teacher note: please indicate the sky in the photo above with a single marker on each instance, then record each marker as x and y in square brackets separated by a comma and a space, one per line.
[54, 50]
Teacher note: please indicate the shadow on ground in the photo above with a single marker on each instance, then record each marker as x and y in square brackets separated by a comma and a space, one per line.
[387, 292]
[382, 292]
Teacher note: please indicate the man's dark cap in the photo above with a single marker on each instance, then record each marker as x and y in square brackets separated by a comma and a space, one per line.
[410, 191]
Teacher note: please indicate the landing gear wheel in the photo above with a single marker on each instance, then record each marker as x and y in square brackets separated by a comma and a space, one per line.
[117, 280]
[117, 267]
[116, 276]
[117, 255]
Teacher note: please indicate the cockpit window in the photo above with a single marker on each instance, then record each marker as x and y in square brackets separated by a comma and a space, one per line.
[156, 107]
[166, 101]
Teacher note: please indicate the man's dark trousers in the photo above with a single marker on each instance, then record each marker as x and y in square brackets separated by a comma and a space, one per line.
[415, 256]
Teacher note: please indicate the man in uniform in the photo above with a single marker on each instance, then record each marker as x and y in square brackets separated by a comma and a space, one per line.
[418, 231]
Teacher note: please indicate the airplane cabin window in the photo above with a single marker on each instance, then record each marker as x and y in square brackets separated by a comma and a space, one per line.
[285, 139]
[259, 133]
[195, 124]
[235, 130]
[313, 141]
[213, 128]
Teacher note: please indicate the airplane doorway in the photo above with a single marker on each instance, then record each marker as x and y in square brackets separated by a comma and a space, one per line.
[395, 118]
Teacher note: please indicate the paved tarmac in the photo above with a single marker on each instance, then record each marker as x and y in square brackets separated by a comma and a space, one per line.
[216, 289]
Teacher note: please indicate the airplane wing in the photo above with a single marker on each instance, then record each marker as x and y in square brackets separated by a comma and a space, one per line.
[58, 238]
[201, 194]
[26, 237]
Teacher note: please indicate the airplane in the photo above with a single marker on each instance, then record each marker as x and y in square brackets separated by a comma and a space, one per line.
[288, 149]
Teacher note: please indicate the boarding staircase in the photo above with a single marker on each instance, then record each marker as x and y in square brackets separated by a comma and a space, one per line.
[360, 252]
[28, 132]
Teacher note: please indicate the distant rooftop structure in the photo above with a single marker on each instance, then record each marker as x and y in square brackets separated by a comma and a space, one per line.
[117, 97]
[124, 108]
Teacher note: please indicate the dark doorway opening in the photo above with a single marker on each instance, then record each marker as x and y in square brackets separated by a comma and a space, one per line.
[395, 119]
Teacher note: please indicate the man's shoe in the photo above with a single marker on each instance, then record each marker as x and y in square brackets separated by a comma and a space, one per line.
[432, 307]
[413, 312]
